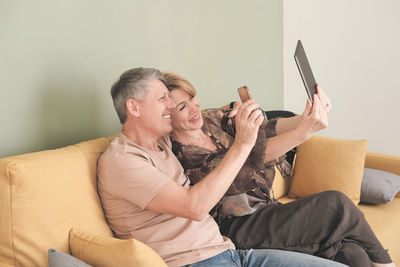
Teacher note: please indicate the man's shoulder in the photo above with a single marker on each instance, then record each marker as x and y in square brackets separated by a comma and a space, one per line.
[121, 149]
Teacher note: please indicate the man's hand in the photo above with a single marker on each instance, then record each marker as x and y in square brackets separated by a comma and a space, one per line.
[248, 119]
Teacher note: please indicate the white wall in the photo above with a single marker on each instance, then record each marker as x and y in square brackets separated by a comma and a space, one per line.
[354, 50]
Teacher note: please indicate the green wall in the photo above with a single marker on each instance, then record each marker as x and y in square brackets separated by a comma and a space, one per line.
[58, 60]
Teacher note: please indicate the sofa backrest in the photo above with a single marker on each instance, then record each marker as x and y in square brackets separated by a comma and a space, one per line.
[45, 194]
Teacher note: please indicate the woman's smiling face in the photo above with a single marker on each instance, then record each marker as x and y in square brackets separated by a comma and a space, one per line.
[186, 116]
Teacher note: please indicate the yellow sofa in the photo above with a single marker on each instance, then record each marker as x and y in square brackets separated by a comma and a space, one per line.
[45, 194]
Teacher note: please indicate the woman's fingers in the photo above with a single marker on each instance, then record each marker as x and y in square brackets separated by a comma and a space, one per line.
[232, 113]
[314, 118]
[315, 107]
[319, 114]
[325, 101]
[307, 109]
[235, 109]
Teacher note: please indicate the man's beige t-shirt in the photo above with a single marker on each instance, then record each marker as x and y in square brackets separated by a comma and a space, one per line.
[129, 177]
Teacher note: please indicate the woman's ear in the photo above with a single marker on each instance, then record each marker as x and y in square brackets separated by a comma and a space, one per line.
[132, 107]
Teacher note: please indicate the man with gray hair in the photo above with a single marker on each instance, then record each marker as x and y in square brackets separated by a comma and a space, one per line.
[146, 195]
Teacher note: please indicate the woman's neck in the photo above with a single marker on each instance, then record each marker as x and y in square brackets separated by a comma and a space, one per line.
[188, 137]
[194, 138]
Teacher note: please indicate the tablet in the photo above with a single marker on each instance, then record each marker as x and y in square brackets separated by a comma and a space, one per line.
[305, 71]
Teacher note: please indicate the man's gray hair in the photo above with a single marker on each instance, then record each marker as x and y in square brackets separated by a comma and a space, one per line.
[135, 84]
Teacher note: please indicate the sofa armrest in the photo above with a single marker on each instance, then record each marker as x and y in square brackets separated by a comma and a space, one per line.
[383, 162]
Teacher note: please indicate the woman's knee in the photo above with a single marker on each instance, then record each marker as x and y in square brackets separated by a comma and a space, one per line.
[340, 202]
[336, 196]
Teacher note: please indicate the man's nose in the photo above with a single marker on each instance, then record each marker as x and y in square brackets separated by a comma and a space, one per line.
[171, 103]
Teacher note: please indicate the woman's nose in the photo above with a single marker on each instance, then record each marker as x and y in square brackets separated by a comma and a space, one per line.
[193, 108]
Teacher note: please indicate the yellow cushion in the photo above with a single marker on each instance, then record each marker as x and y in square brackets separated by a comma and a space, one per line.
[107, 251]
[324, 163]
[44, 195]
[280, 185]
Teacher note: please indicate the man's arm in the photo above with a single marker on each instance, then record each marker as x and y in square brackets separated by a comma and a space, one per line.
[196, 202]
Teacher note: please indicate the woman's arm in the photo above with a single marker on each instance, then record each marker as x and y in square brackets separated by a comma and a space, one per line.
[287, 124]
[313, 119]
[284, 125]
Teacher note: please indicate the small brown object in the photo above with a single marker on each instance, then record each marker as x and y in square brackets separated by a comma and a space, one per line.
[244, 93]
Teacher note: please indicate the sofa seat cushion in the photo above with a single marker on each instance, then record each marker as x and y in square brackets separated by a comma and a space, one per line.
[384, 221]
[43, 196]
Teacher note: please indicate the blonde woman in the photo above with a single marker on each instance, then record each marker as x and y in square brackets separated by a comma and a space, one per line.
[327, 224]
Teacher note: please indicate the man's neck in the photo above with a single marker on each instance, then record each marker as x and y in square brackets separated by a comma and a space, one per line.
[141, 138]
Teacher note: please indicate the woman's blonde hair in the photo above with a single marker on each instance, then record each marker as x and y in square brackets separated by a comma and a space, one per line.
[174, 81]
